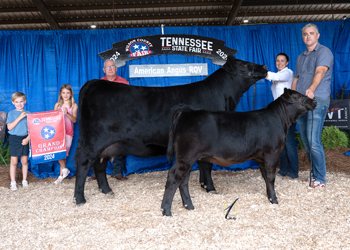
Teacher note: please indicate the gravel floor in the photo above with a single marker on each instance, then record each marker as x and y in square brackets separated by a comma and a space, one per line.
[44, 216]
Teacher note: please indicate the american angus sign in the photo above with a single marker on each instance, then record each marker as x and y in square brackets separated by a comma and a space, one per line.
[189, 45]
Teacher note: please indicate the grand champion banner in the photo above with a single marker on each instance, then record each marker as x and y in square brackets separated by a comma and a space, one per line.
[47, 136]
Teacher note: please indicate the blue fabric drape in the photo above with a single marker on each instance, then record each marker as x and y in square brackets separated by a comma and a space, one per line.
[38, 63]
[341, 64]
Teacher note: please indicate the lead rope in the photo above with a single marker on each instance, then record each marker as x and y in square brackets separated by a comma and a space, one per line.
[312, 126]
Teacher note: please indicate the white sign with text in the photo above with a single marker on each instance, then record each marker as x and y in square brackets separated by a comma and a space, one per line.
[167, 70]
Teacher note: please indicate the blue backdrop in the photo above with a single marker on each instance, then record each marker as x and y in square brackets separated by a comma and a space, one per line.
[38, 63]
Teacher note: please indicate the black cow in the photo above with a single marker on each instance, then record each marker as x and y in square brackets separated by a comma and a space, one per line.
[117, 119]
[226, 138]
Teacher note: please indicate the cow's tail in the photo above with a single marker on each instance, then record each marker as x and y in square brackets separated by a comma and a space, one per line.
[176, 111]
[78, 151]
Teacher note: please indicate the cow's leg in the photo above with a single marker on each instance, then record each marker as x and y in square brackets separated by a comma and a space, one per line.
[185, 194]
[205, 176]
[176, 175]
[81, 174]
[100, 172]
[268, 172]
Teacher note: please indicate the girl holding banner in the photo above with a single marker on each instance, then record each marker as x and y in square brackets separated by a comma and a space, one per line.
[69, 107]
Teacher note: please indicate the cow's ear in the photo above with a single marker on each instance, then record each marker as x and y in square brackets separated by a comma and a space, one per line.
[229, 65]
[230, 58]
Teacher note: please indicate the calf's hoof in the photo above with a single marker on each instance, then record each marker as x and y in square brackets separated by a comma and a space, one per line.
[107, 191]
[110, 194]
[213, 191]
[166, 212]
[273, 200]
[79, 203]
[189, 206]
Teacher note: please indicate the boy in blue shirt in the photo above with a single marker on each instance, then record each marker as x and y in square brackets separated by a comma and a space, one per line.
[18, 138]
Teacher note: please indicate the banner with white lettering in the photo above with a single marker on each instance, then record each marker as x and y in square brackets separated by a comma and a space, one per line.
[189, 45]
[47, 136]
[338, 114]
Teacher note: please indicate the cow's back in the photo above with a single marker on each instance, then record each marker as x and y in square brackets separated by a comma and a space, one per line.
[111, 111]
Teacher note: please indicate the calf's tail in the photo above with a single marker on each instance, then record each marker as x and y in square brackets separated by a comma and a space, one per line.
[176, 111]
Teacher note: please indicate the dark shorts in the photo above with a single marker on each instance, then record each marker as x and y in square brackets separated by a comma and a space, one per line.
[16, 147]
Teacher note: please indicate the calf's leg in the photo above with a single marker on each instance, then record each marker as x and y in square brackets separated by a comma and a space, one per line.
[176, 175]
[205, 176]
[185, 194]
[269, 174]
[100, 172]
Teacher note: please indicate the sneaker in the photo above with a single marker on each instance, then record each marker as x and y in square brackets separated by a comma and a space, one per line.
[317, 184]
[308, 180]
[65, 172]
[13, 186]
[59, 180]
[24, 183]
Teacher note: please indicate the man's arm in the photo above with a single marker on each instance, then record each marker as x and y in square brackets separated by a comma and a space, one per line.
[319, 74]
[294, 84]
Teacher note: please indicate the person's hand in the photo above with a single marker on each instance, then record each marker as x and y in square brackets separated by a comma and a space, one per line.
[25, 141]
[309, 93]
[65, 110]
[22, 115]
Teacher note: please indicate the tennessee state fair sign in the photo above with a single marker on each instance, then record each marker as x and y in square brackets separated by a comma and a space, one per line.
[189, 45]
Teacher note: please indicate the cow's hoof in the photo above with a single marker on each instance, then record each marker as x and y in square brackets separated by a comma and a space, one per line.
[189, 207]
[110, 194]
[212, 192]
[80, 204]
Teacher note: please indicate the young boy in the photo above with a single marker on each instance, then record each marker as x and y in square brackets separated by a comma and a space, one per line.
[18, 138]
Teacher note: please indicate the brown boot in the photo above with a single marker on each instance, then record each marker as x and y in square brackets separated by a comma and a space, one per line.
[92, 178]
[120, 177]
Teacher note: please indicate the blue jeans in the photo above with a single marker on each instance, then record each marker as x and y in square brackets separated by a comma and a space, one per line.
[316, 151]
[118, 166]
[289, 161]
